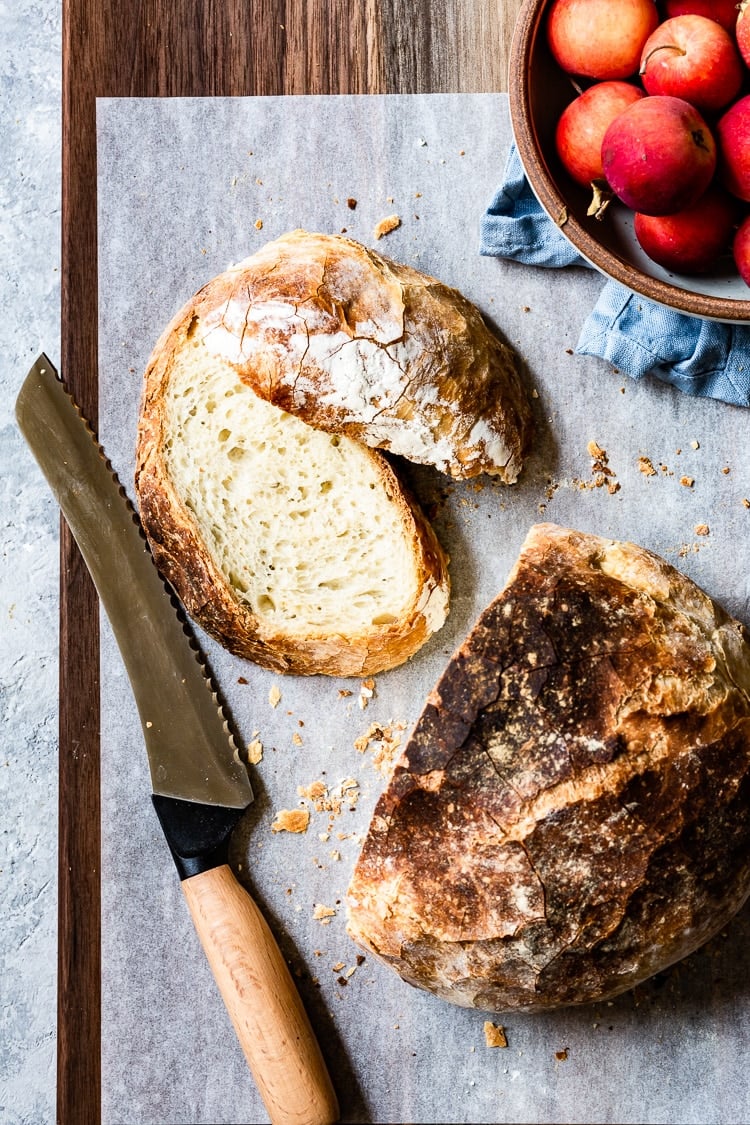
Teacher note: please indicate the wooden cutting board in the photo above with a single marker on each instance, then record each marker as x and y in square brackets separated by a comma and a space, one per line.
[195, 48]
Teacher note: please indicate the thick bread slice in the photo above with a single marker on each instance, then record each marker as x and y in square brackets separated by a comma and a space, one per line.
[353, 343]
[295, 548]
[571, 813]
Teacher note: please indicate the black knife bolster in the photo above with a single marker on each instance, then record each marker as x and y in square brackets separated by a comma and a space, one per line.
[198, 835]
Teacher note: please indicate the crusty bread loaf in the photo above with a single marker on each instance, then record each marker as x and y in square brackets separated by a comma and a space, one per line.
[355, 344]
[295, 548]
[572, 811]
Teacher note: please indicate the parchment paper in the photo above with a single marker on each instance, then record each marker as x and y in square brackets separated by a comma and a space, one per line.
[186, 187]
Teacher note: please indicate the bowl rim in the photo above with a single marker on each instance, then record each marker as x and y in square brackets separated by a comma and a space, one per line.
[527, 27]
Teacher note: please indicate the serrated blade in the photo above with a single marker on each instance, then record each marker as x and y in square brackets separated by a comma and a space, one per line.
[192, 753]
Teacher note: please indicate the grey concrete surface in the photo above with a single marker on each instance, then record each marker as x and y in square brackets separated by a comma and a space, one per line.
[30, 117]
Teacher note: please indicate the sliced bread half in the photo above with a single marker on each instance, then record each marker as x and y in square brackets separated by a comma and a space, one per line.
[296, 548]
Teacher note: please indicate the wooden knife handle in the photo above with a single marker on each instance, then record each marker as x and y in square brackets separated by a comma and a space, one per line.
[261, 998]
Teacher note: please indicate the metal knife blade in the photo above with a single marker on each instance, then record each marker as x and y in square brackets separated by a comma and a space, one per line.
[191, 751]
[200, 786]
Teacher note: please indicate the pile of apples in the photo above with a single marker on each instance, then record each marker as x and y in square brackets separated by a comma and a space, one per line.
[662, 121]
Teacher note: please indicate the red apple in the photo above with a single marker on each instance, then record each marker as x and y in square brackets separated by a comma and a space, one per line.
[691, 240]
[723, 11]
[733, 132]
[694, 58]
[742, 30]
[582, 125]
[659, 155]
[742, 250]
[600, 38]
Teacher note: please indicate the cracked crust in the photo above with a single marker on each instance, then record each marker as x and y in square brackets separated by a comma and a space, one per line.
[353, 343]
[570, 814]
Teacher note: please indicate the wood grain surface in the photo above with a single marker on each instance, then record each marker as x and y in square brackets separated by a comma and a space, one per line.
[156, 48]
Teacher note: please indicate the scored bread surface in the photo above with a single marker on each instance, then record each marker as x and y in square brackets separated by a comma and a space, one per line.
[570, 814]
[295, 548]
[354, 343]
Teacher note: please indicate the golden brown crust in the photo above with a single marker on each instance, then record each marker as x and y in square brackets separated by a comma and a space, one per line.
[353, 343]
[570, 814]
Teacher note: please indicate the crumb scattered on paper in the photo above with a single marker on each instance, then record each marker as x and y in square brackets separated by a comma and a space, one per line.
[366, 692]
[701, 529]
[645, 466]
[688, 482]
[254, 751]
[494, 1034]
[274, 696]
[323, 914]
[562, 1055]
[291, 820]
[385, 742]
[385, 226]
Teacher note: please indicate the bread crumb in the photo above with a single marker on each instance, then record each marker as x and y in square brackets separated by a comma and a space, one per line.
[351, 203]
[274, 696]
[726, 470]
[259, 224]
[646, 467]
[561, 1056]
[297, 738]
[695, 445]
[745, 502]
[688, 482]
[291, 820]
[385, 744]
[385, 226]
[494, 1035]
[241, 680]
[701, 529]
[366, 692]
[255, 752]
[344, 693]
[338, 966]
[595, 450]
[313, 791]
[323, 914]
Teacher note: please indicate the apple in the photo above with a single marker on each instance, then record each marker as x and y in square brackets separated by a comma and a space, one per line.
[691, 240]
[583, 123]
[733, 133]
[723, 11]
[741, 249]
[742, 30]
[600, 38]
[659, 155]
[694, 58]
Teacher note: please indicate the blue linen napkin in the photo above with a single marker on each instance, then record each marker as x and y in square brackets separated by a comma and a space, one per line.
[701, 357]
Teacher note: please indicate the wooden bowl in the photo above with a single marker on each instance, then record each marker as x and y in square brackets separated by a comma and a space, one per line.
[539, 91]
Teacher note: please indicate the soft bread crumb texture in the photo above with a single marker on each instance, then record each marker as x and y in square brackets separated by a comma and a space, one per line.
[569, 816]
[294, 547]
[260, 484]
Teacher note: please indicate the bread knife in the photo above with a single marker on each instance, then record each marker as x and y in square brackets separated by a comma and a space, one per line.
[200, 787]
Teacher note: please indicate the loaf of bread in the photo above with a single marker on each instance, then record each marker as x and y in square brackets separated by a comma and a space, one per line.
[294, 548]
[355, 344]
[287, 536]
[572, 811]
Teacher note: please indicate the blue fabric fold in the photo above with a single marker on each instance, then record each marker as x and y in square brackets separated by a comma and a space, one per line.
[705, 358]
